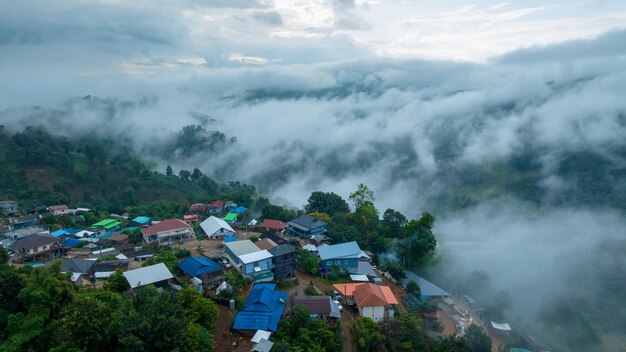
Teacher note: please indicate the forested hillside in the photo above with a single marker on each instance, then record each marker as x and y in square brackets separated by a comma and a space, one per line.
[37, 167]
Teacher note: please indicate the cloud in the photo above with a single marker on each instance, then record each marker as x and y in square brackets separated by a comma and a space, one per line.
[268, 17]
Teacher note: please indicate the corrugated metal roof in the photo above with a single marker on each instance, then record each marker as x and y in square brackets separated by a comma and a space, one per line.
[194, 266]
[141, 219]
[103, 222]
[231, 217]
[212, 224]
[341, 250]
[262, 310]
[427, 288]
[240, 248]
[255, 256]
[148, 275]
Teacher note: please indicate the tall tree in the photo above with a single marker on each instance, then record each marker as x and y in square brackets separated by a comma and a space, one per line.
[361, 195]
[326, 202]
[478, 339]
[366, 334]
[169, 171]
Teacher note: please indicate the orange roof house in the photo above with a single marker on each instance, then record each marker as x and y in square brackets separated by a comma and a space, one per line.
[373, 301]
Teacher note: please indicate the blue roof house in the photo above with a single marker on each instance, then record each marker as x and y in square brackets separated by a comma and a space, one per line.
[262, 310]
[346, 255]
[211, 273]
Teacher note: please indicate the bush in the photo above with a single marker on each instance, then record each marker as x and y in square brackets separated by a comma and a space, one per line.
[311, 291]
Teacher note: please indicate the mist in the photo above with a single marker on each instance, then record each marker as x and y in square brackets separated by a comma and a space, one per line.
[521, 158]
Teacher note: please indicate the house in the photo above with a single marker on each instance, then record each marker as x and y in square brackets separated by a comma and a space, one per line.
[272, 236]
[58, 210]
[216, 228]
[231, 217]
[265, 243]
[427, 288]
[167, 232]
[118, 240]
[16, 234]
[320, 239]
[346, 255]
[37, 247]
[263, 309]
[306, 226]
[373, 301]
[100, 253]
[79, 268]
[217, 206]
[283, 261]
[23, 222]
[60, 233]
[211, 273]
[318, 306]
[8, 207]
[191, 219]
[156, 275]
[198, 208]
[273, 225]
[264, 345]
[252, 262]
[104, 227]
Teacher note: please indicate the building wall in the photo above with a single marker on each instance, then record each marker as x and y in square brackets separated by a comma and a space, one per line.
[284, 266]
[221, 233]
[375, 313]
[345, 264]
[248, 269]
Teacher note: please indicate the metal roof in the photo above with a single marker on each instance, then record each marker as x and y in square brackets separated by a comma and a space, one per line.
[262, 310]
[212, 224]
[341, 250]
[148, 275]
[427, 288]
[282, 250]
[307, 221]
[240, 248]
[231, 217]
[255, 256]
[141, 219]
[103, 222]
[194, 266]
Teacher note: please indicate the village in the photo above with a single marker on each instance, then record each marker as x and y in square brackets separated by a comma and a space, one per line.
[257, 271]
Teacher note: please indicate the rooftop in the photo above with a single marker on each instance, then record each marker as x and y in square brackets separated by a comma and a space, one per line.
[213, 224]
[142, 219]
[165, 225]
[194, 266]
[34, 241]
[104, 222]
[148, 275]
[266, 243]
[240, 248]
[367, 294]
[255, 256]
[341, 250]
[307, 221]
[273, 224]
[262, 310]
[281, 250]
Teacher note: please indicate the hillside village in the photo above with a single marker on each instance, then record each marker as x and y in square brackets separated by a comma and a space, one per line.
[258, 271]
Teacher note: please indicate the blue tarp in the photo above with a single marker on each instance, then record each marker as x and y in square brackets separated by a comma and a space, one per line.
[262, 310]
[230, 238]
[72, 230]
[238, 210]
[59, 233]
[194, 266]
[71, 243]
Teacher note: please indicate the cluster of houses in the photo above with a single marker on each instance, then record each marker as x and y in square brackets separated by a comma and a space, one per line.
[97, 251]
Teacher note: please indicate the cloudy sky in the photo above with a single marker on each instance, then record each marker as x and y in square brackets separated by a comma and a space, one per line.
[147, 37]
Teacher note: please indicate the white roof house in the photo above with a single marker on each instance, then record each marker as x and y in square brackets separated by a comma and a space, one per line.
[216, 227]
[240, 248]
[149, 275]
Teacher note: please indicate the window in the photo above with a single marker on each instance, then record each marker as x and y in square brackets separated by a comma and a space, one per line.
[345, 262]
[337, 262]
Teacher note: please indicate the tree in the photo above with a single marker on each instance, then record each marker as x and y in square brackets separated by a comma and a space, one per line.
[184, 174]
[420, 243]
[403, 334]
[117, 282]
[395, 270]
[198, 309]
[413, 288]
[4, 256]
[392, 223]
[309, 262]
[326, 202]
[196, 174]
[366, 334]
[361, 195]
[322, 216]
[478, 339]
[169, 171]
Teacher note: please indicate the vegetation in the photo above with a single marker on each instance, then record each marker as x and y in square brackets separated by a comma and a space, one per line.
[300, 332]
[42, 310]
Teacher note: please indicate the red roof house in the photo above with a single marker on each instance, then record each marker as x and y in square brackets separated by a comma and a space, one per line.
[275, 225]
[168, 231]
